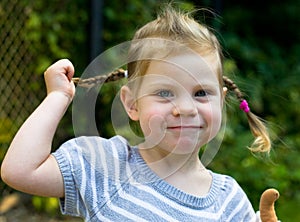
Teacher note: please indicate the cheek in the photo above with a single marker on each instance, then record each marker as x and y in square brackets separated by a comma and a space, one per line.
[153, 126]
[152, 121]
[213, 116]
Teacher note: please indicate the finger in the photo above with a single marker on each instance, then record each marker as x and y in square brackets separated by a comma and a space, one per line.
[68, 68]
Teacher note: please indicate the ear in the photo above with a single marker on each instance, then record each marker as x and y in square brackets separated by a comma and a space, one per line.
[224, 95]
[129, 103]
[224, 91]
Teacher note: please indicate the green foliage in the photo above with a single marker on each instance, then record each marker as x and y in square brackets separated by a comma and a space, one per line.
[123, 19]
[57, 29]
[46, 204]
[5, 136]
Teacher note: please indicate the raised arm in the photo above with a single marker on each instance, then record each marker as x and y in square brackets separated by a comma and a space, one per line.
[28, 165]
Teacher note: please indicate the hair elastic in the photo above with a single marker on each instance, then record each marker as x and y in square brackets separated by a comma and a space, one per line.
[125, 74]
[244, 106]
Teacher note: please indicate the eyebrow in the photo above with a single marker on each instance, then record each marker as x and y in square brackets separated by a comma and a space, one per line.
[168, 85]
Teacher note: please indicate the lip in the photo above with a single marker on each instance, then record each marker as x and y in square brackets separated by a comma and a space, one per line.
[183, 127]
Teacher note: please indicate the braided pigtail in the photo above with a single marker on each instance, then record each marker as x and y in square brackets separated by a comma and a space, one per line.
[97, 80]
[262, 141]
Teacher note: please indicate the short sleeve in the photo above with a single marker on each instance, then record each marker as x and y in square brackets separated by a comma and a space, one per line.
[69, 204]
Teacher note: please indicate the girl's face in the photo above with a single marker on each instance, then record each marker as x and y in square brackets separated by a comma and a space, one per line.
[179, 103]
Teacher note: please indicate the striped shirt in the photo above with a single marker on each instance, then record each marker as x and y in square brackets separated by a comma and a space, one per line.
[108, 180]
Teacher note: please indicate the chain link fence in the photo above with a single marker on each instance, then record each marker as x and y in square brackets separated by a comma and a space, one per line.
[33, 35]
[19, 93]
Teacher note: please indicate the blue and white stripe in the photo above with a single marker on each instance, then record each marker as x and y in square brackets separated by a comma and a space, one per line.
[107, 180]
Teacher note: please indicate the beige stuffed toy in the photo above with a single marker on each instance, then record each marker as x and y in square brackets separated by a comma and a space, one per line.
[266, 205]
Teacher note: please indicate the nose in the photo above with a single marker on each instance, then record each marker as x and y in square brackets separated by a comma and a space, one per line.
[185, 107]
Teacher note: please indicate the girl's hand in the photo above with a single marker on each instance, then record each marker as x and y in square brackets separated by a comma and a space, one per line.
[58, 78]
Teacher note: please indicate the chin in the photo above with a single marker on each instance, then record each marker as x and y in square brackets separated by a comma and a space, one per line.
[184, 147]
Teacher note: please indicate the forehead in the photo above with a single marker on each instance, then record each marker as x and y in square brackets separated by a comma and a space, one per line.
[192, 66]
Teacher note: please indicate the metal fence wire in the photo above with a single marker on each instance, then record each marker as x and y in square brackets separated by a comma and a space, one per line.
[19, 85]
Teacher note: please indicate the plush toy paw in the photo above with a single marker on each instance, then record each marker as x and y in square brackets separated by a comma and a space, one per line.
[266, 205]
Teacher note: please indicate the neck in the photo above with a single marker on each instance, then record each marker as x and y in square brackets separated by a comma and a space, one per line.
[186, 172]
[165, 164]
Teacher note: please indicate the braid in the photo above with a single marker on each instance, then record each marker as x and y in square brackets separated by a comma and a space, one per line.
[97, 80]
[233, 87]
[262, 141]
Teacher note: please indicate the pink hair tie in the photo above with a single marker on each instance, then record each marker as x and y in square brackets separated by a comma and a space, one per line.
[244, 106]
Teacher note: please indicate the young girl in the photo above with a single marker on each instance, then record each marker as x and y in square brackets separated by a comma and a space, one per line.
[176, 92]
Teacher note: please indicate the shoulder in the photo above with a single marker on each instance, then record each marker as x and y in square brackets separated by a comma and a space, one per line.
[234, 200]
[94, 141]
[226, 182]
[90, 144]
[91, 150]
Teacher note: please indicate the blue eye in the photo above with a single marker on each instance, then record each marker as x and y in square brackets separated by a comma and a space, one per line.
[165, 93]
[201, 93]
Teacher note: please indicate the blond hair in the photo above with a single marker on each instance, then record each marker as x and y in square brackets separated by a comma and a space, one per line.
[171, 32]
